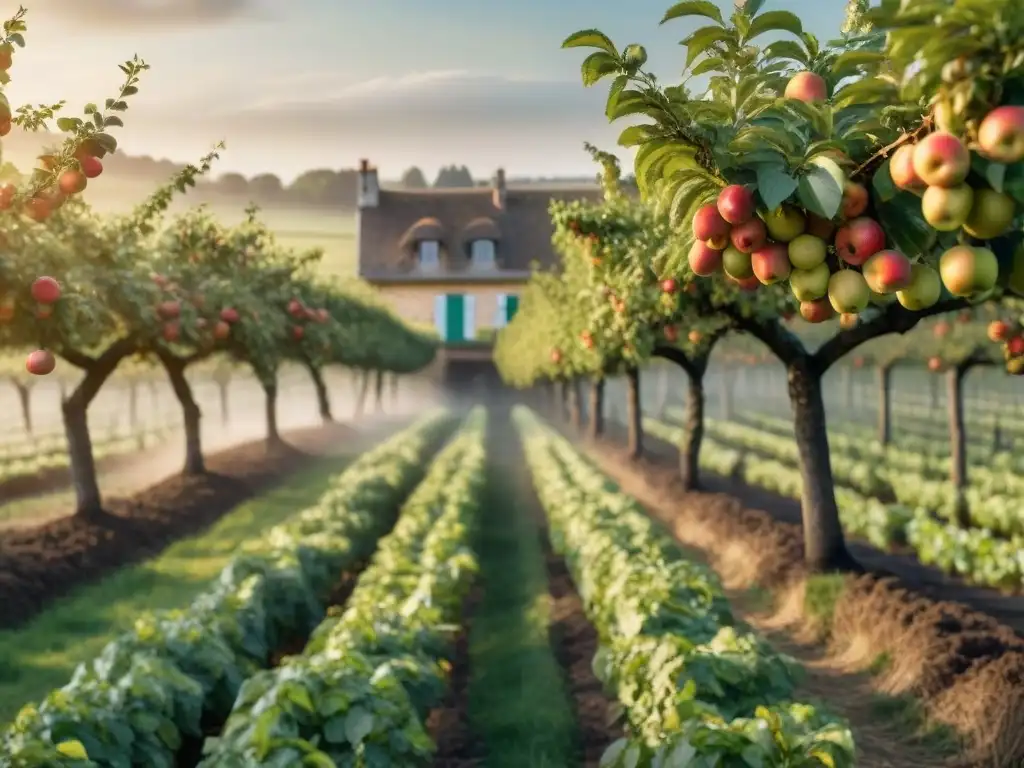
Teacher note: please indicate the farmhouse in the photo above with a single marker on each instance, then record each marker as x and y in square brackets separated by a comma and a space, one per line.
[456, 259]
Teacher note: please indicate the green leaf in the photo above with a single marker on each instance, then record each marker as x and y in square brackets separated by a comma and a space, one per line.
[686, 189]
[18, 39]
[711, 64]
[694, 8]
[630, 102]
[591, 38]
[774, 184]
[597, 65]
[73, 749]
[358, 725]
[781, 21]
[993, 173]
[882, 183]
[786, 49]
[868, 89]
[635, 135]
[851, 61]
[750, 7]
[113, 120]
[702, 39]
[819, 192]
[904, 225]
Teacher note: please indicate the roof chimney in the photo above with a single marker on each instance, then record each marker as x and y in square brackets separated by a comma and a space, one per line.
[369, 185]
[498, 187]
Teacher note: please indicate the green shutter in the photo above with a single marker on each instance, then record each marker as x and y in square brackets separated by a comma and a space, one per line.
[455, 311]
[511, 306]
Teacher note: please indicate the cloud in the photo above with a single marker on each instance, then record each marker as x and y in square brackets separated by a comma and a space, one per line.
[135, 13]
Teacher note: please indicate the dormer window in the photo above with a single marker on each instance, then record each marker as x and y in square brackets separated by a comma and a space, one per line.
[481, 255]
[429, 253]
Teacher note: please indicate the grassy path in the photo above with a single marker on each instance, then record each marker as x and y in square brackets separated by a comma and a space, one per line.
[42, 655]
[519, 710]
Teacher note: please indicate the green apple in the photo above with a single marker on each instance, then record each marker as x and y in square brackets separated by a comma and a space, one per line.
[809, 284]
[924, 290]
[848, 293]
[991, 214]
[806, 251]
[947, 209]
[736, 263]
[966, 271]
[785, 223]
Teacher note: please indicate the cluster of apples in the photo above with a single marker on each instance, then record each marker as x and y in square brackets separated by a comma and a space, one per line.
[1011, 335]
[301, 313]
[46, 292]
[71, 182]
[168, 310]
[937, 167]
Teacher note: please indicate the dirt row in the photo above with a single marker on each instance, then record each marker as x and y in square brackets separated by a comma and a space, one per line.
[876, 634]
[42, 563]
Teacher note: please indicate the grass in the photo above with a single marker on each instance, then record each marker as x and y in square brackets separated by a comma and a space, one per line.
[43, 654]
[518, 706]
[823, 592]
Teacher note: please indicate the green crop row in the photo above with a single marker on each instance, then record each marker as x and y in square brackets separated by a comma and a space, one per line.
[695, 688]
[978, 554]
[363, 687]
[152, 688]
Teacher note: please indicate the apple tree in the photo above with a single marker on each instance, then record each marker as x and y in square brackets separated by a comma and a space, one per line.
[875, 176]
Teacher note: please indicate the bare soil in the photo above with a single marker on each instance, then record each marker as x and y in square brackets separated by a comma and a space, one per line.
[39, 564]
[891, 631]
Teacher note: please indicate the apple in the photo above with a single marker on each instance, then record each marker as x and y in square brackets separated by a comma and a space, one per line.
[807, 87]
[736, 204]
[668, 285]
[169, 310]
[7, 193]
[1015, 346]
[817, 311]
[736, 263]
[40, 363]
[859, 239]
[855, 200]
[749, 236]
[91, 166]
[229, 315]
[771, 263]
[221, 330]
[942, 329]
[882, 299]
[901, 170]
[6, 56]
[934, 364]
[810, 284]
[556, 356]
[704, 260]
[695, 337]
[991, 214]
[7, 308]
[820, 227]
[924, 290]
[966, 270]
[295, 308]
[671, 333]
[848, 293]
[708, 224]
[748, 284]
[172, 331]
[941, 160]
[999, 330]
[846, 322]
[72, 182]
[46, 290]
[806, 251]
[1001, 134]
[887, 272]
[785, 223]
[38, 208]
[947, 209]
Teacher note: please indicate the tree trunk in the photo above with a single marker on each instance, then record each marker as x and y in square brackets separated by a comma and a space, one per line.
[378, 392]
[689, 450]
[75, 413]
[225, 411]
[25, 401]
[957, 442]
[364, 390]
[824, 545]
[394, 390]
[997, 436]
[194, 464]
[323, 398]
[133, 405]
[884, 376]
[270, 404]
[725, 385]
[573, 397]
[595, 427]
[634, 415]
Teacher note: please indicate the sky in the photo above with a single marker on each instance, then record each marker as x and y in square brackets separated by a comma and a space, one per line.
[305, 84]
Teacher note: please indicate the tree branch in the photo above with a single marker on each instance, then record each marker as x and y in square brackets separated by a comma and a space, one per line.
[893, 319]
[782, 342]
[677, 356]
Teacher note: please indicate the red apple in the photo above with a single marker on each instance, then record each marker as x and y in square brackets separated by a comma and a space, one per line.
[859, 240]
[771, 263]
[748, 284]
[169, 310]
[172, 331]
[556, 356]
[221, 330]
[91, 166]
[817, 311]
[695, 337]
[72, 182]
[749, 236]
[708, 224]
[41, 362]
[855, 200]
[7, 193]
[38, 208]
[806, 86]
[888, 272]
[671, 333]
[46, 290]
[934, 364]
[942, 329]
[1015, 346]
[1001, 134]
[298, 332]
[901, 169]
[229, 315]
[736, 204]
[668, 285]
[704, 261]
[999, 330]
[295, 308]
[322, 315]
[941, 160]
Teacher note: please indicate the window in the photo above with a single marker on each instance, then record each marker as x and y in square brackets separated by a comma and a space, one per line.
[430, 255]
[481, 256]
